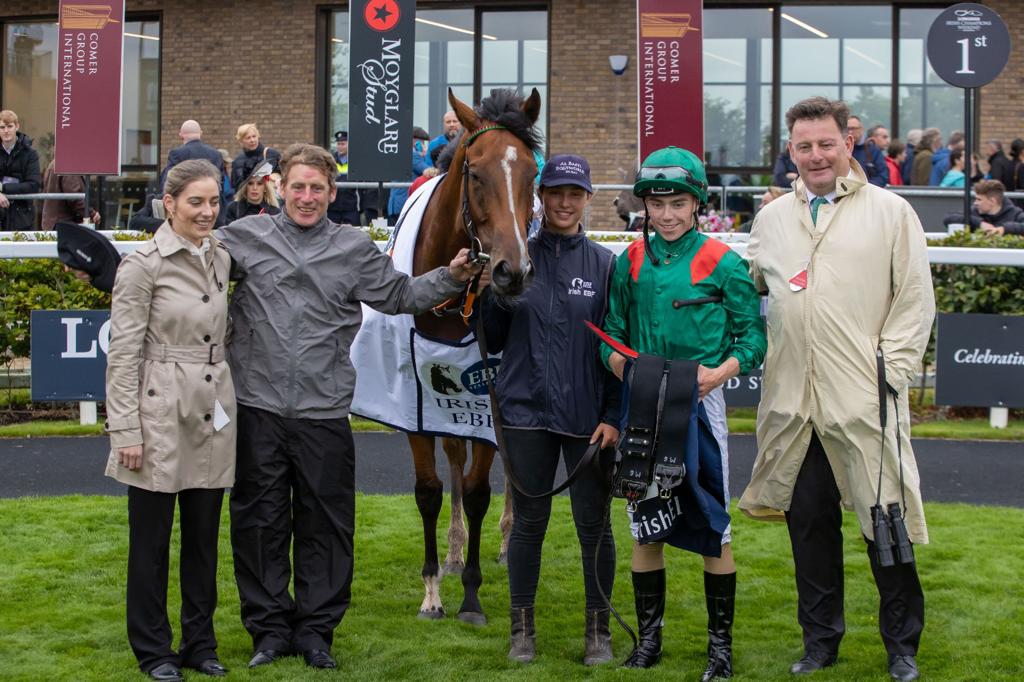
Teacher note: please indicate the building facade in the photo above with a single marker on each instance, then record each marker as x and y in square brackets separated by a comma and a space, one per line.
[284, 67]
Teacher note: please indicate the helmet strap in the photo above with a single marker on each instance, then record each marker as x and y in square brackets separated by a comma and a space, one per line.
[647, 237]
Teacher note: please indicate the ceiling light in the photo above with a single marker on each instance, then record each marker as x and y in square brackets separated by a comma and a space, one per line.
[804, 25]
[438, 24]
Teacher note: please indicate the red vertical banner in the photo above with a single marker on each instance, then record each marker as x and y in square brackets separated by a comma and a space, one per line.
[670, 84]
[90, 53]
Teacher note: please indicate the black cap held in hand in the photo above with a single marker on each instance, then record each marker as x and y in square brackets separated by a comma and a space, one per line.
[83, 248]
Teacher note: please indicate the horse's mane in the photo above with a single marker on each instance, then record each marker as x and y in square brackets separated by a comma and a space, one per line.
[503, 107]
[444, 159]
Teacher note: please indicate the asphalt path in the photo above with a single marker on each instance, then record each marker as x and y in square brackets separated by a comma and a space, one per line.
[975, 472]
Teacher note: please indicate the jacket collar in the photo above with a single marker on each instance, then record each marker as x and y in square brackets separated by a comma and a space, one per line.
[168, 243]
[844, 186]
[549, 239]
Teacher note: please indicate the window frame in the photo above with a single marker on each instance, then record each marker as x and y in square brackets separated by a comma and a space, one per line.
[776, 85]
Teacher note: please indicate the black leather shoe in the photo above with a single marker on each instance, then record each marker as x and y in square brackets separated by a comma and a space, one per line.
[903, 668]
[212, 667]
[318, 658]
[166, 672]
[813, 661]
[265, 657]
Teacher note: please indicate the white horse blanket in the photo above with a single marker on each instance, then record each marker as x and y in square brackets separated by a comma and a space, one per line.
[413, 382]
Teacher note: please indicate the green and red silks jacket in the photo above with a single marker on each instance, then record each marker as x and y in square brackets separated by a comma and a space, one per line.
[649, 307]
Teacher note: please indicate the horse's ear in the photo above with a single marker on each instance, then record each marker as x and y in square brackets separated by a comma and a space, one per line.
[467, 117]
[531, 106]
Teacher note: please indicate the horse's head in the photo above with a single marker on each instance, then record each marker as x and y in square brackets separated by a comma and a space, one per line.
[496, 168]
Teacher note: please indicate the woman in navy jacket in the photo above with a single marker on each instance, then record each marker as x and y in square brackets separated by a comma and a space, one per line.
[556, 397]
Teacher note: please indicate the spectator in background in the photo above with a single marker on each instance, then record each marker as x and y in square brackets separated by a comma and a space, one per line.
[350, 205]
[255, 197]
[1016, 167]
[913, 139]
[940, 161]
[785, 171]
[19, 174]
[248, 135]
[896, 154]
[227, 191]
[64, 210]
[867, 154]
[192, 147]
[954, 177]
[931, 140]
[991, 211]
[999, 166]
[420, 164]
[770, 195]
[878, 135]
[452, 128]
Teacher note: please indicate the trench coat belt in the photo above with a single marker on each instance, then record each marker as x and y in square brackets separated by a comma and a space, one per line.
[204, 354]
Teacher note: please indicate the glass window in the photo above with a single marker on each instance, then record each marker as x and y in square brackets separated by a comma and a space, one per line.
[338, 51]
[515, 54]
[737, 86]
[925, 100]
[513, 48]
[30, 87]
[838, 51]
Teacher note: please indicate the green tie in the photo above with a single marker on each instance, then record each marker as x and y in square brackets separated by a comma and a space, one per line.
[815, 203]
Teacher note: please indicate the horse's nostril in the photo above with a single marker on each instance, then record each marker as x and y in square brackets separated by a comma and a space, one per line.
[501, 274]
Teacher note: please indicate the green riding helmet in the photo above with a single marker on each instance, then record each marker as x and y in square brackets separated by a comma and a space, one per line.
[671, 170]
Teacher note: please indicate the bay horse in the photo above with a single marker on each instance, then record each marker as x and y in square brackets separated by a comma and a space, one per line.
[490, 186]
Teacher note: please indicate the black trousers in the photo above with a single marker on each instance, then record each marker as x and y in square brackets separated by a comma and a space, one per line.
[815, 530]
[293, 478]
[534, 457]
[150, 517]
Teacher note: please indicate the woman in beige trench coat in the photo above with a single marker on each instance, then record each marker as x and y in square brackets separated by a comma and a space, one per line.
[170, 415]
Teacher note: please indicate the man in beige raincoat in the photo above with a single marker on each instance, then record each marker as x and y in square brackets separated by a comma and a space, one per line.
[846, 270]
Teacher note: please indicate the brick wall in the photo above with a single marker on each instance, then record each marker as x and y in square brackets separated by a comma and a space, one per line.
[593, 111]
[217, 69]
[1001, 102]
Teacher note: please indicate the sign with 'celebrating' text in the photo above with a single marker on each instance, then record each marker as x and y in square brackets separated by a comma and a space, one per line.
[670, 79]
[382, 34]
[90, 39]
[979, 360]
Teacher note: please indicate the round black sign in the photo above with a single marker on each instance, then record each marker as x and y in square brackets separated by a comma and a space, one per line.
[968, 45]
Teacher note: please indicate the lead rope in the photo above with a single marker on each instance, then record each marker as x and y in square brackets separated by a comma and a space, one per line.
[590, 456]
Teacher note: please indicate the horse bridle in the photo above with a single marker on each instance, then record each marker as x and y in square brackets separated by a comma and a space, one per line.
[476, 252]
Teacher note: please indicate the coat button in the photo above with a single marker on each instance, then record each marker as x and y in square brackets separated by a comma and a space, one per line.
[206, 338]
[655, 323]
[206, 417]
[209, 377]
[206, 298]
[151, 392]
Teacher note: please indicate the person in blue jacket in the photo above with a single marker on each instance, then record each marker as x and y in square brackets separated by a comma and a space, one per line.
[556, 398]
[868, 155]
[420, 163]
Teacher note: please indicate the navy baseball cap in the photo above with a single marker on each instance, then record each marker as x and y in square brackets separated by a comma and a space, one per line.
[566, 169]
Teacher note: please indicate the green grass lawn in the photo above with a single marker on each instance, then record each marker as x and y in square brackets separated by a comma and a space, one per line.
[62, 602]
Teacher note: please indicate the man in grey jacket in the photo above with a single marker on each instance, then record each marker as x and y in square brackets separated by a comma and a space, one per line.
[296, 311]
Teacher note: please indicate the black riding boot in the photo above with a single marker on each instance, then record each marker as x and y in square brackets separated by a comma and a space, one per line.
[720, 592]
[598, 638]
[523, 641]
[649, 593]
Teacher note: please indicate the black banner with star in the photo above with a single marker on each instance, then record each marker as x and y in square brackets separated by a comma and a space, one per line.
[382, 34]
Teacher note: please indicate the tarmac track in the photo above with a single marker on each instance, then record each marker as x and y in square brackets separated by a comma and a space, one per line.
[974, 472]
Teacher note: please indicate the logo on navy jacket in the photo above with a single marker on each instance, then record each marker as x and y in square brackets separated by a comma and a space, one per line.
[581, 287]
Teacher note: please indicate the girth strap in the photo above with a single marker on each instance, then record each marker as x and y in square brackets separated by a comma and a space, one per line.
[676, 409]
[637, 442]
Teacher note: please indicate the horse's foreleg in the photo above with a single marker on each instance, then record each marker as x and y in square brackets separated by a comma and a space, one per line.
[505, 525]
[455, 448]
[429, 496]
[477, 498]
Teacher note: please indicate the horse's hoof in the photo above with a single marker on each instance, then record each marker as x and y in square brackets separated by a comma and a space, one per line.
[432, 614]
[503, 559]
[453, 569]
[472, 617]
